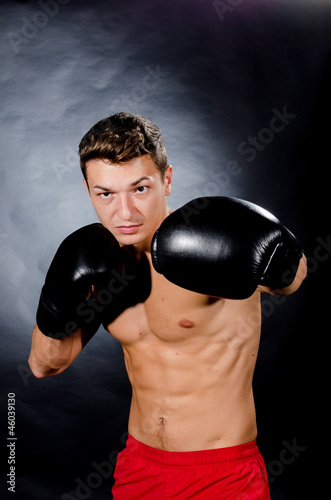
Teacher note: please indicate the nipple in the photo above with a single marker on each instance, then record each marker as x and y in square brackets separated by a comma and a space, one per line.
[186, 323]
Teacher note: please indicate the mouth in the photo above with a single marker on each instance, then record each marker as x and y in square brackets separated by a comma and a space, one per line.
[129, 229]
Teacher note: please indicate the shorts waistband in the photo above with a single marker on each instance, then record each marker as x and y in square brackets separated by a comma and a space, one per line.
[238, 453]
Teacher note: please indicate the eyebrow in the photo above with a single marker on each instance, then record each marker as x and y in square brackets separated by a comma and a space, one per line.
[133, 184]
[138, 181]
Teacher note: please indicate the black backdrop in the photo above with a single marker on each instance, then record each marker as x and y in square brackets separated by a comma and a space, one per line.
[241, 91]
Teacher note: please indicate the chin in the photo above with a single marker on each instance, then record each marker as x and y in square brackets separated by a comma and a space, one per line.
[130, 239]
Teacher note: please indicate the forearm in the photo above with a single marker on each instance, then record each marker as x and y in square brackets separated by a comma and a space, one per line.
[52, 356]
[294, 286]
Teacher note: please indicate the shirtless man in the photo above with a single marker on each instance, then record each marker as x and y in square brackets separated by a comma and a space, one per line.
[190, 330]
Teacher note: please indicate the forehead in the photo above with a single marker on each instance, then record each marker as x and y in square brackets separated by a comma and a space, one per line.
[121, 174]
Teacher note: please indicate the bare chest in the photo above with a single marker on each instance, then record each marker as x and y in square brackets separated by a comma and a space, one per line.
[170, 313]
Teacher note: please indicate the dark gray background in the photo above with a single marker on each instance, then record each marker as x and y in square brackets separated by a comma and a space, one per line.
[210, 77]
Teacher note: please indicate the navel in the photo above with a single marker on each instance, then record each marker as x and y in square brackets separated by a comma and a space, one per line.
[186, 323]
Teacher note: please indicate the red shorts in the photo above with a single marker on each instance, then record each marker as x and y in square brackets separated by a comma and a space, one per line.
[234, 473]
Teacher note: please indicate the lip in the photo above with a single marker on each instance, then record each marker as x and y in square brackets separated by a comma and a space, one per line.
[128, 229]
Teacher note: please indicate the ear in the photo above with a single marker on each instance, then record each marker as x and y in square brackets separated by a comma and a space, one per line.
[168, 180]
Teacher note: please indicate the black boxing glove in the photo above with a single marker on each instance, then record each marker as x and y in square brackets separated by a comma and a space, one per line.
[90, 280]
[225, 247]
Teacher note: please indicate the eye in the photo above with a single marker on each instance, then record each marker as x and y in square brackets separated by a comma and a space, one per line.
[105, 196]
[142, 189]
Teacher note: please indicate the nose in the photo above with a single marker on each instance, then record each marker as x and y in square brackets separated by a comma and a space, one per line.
[125, 207]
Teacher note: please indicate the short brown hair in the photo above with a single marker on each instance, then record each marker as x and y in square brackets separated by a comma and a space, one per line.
[122, 137]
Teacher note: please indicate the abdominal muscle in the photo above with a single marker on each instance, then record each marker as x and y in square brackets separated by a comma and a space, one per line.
[191, 375]
[187, 413]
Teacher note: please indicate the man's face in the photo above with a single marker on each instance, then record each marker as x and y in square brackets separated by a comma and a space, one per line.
[129, 198]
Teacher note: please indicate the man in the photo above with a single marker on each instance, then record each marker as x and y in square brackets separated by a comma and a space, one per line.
[177, 290]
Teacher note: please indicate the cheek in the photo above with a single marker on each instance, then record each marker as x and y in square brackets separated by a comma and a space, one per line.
[97, 207]
[103, 212]
[152, 208]
[153, 215]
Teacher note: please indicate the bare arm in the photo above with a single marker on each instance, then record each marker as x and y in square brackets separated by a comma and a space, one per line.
[50, 356]
[299, 277]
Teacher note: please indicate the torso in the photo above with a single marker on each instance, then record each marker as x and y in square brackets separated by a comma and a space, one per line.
[190, 359]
